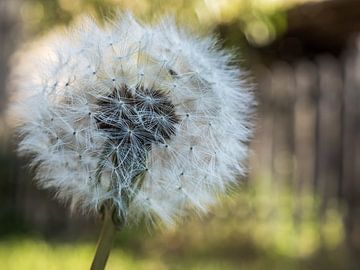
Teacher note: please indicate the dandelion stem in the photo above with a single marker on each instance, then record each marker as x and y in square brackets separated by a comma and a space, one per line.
[106, 239]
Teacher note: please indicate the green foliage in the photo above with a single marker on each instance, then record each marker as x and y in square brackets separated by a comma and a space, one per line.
[261, 21]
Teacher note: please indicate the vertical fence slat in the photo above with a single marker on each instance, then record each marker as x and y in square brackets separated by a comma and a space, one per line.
[282, 87]
[351, 150]
[261, 145]
[329, 142]
[305, 124]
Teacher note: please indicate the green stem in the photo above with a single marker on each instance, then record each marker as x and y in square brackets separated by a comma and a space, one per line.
[105, 241]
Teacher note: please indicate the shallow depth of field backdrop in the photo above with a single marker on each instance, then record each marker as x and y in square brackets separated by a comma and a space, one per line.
[299, 207]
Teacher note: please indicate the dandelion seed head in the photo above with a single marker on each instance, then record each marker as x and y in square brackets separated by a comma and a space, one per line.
[151, 118]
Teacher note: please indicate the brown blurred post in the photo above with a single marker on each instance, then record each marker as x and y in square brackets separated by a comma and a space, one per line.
[305, 120]
[261, 145]
[282, 87]
[328, 174]
[305, 109]
[9, 167]
[351, 151]
[9, 33]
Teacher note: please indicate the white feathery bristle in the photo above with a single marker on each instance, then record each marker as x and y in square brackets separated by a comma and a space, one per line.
[152, 118]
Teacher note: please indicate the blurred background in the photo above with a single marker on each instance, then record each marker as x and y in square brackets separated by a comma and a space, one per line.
[299, 208]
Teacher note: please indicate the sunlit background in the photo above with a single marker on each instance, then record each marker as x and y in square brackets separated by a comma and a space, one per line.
[299, 208]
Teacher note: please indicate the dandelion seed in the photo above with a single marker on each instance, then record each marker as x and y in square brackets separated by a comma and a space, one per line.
[129, 114]
[187, 92]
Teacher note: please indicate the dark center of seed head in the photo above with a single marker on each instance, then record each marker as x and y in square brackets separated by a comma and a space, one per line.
[146, 113]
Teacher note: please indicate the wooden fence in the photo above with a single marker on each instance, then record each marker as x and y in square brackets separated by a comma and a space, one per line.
[308, 131]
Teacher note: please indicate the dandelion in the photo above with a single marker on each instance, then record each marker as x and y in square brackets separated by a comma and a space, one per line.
[137, 122]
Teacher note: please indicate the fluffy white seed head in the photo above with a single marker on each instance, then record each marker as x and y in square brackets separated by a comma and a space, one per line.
[151, 118]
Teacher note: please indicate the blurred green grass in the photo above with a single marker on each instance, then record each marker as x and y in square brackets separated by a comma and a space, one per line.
[249, 230]
[30, 254]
